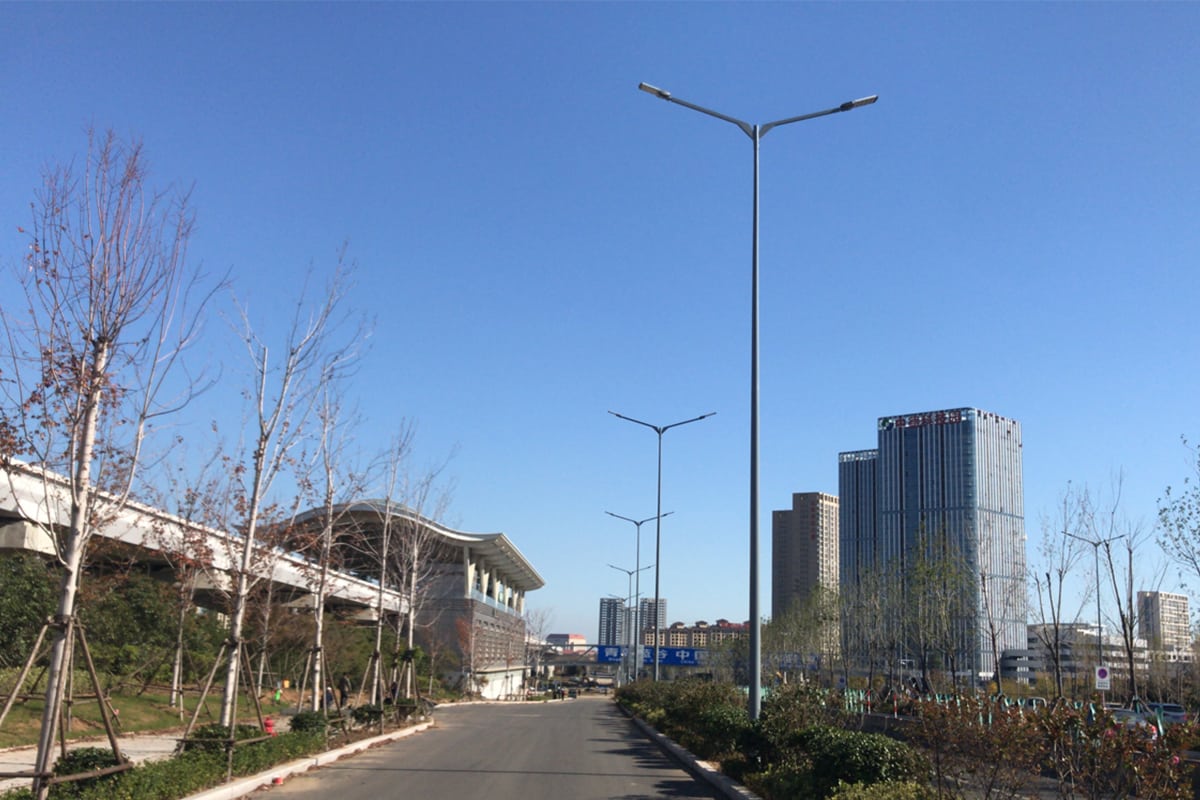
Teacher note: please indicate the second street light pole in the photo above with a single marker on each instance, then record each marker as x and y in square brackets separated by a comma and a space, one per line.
[755, 132]
[1099, 622]
[637, 561]
[628, 597]
[660, 430]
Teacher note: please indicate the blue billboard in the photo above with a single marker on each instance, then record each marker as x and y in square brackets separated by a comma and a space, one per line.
[667, 656]
[610, 654]
[675, 656]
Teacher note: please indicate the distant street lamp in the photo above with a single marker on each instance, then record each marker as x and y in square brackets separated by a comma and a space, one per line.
[637, 560]
[1095, 543]
[755, 132]
[629, 636]
[660, 430]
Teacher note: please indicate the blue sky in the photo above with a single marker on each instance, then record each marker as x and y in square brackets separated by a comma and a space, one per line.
[1013, 226]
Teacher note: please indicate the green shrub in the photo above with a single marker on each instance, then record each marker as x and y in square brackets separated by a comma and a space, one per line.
[198, 769]
[717, 732]
[85, 759]
[80, 760]
[888, 790]
[309, 722]
[854, 757]
[784, 779]
[169, 779]
[215, 737]
[367, 714]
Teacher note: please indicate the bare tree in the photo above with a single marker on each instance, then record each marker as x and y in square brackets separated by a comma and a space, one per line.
[1111, 527]
[184, 544]
[390, 465]
[942, 595]
[337, 484]
[1059, 555]
[537, 621]
[1179, 519]
[283, 397]
[803, 636]
[415, 556]
[1002, 598]
[112, 304]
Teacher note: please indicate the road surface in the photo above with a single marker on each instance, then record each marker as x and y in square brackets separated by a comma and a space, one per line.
[580, 748]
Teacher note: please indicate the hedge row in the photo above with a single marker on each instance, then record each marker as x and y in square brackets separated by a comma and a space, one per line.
[202, 766]
[797, 748]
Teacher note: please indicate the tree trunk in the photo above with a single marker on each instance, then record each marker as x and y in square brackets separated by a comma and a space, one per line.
[81, 511]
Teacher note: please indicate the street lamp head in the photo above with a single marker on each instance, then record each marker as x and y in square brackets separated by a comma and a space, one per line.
[862, 101]
[654, 90]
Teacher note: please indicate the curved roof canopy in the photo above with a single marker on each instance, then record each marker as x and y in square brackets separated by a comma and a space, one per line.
[494, 548]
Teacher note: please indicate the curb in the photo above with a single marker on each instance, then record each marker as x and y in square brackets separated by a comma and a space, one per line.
[244, 786]
[728, 787]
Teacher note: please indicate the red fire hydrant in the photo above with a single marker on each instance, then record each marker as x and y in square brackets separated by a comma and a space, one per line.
[269, 726]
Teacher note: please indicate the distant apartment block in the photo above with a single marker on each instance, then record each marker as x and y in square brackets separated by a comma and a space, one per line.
[1163, 621]
[804, 550]
[614, 615]
[648, 611]
[700, 635]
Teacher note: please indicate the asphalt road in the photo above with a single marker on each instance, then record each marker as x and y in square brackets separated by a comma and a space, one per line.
[582, 748]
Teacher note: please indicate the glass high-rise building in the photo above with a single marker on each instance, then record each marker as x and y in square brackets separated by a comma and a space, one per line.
[858, 542]
[949, 523]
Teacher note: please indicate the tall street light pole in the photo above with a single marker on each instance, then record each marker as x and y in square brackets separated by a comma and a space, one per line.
[660, 430]
[1095, 543]
[755, 132]
[629, 635]
[637, 560]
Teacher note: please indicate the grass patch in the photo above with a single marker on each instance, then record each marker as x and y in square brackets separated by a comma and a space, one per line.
[137, 713]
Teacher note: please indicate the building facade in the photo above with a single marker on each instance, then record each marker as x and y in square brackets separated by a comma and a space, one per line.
[948, 528]
[614, 616]
[648, 611]
[858, 542]
[1163, 621]
[804, 550]
[470, 589]
[700, 636]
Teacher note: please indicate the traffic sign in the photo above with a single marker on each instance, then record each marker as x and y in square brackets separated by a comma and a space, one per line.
[1103, 679]
[675, 656]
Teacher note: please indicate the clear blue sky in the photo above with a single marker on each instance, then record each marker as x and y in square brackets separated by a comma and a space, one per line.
[1013, 226]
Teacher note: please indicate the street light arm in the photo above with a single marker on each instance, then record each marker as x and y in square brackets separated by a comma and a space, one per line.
[849, 105]
[686, 421]
[661, 429]
[639, 522]
[1093, 542]
[746, 127]
[654, 428]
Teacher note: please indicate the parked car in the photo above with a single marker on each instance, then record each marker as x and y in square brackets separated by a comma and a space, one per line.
[1169, 713]
[1137, 721]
